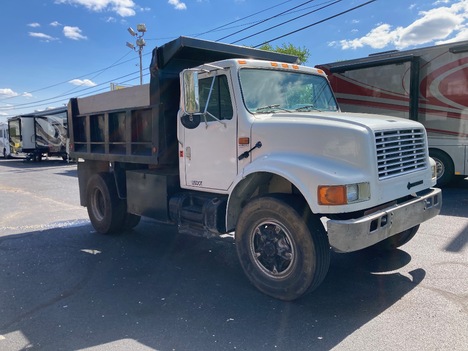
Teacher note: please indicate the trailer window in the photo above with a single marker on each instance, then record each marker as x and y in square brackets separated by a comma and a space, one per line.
[220, 104]
[266, 91]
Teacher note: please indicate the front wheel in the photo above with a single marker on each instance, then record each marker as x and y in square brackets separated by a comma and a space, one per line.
[282, 247]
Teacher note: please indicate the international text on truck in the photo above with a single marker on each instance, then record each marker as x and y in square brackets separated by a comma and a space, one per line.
[238, 142]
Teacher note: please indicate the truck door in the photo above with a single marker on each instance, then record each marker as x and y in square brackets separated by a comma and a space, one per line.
[208, 153]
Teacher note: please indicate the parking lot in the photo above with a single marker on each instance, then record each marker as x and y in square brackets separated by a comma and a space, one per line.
[64, 287]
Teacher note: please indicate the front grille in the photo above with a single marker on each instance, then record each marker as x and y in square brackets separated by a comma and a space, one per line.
[400, 152]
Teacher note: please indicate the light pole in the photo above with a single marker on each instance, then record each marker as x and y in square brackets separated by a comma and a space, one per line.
[140, 42]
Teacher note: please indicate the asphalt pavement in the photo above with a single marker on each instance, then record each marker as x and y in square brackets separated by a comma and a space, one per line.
[65, 287]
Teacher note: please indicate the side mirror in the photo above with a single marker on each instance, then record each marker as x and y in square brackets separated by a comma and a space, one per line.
[191, 95]
[191, 121]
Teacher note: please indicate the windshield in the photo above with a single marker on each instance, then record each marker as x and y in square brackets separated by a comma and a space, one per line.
[267, 91]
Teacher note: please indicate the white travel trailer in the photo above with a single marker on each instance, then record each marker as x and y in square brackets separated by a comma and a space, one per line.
[4, 142]
[40, 133]
[428, 85]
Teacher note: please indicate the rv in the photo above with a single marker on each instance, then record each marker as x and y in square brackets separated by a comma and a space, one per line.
[40, 134]
[4, 143]
[428, 85]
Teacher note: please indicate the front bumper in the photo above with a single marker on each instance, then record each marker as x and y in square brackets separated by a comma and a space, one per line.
[356, 234]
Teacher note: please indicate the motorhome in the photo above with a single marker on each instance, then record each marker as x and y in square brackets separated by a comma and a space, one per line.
[39, 134]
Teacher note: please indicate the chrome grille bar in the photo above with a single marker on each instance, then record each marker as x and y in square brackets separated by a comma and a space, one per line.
[400, 152]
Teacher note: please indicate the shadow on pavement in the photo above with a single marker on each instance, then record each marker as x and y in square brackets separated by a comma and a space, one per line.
[19, 165]
[70, 289]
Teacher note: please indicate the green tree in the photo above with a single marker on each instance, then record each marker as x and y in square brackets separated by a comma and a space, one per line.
[301, 52]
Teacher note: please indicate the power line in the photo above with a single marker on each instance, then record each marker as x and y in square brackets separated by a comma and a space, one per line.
[315, 23]
[224, 27]
[98, 72]
[289, 11]
[243, 18]
[66, 95]
[267, 19]
[330, 3]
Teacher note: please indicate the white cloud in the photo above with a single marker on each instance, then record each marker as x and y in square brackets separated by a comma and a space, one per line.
[8, 92]
[123, 8]
[178, 5]
[42, 36]
[377, 38]
[34, 25]
[27, 95]
[82, 82]
[436, 25]
[55, 24]
[73, 33]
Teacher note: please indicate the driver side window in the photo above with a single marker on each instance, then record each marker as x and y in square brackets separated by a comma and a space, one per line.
[220, 104]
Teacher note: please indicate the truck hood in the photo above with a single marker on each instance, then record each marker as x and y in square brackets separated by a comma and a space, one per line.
[333, 137]
[366, 120]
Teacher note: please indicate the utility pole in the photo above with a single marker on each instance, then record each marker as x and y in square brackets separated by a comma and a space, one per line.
[140, 42]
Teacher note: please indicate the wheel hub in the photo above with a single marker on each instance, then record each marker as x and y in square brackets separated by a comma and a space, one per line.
[272, 249]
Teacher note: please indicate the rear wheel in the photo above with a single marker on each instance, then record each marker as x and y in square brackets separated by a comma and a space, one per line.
[282, 248]
[106, 211]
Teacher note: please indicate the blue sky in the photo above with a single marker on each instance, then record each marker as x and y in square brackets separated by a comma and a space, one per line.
[52, 50]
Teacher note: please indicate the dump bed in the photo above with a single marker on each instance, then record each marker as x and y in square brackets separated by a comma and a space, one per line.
[138, 124]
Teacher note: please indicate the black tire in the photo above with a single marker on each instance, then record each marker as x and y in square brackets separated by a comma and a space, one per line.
[445, 167]
[396, 240]
[4, 154]
[105, 210]
[282, 247]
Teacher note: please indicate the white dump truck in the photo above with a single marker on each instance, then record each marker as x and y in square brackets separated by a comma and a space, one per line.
[229, 141]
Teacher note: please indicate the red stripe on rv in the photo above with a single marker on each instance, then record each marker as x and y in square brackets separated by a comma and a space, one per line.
[451, 87]
[341, 85]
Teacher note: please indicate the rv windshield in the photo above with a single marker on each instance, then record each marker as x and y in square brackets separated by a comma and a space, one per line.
[268, 91]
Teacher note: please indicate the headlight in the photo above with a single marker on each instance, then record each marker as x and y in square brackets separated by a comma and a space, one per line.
[332, 195]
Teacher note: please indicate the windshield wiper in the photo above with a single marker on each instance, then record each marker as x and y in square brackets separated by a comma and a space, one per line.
[307, 108]
[269, 108]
